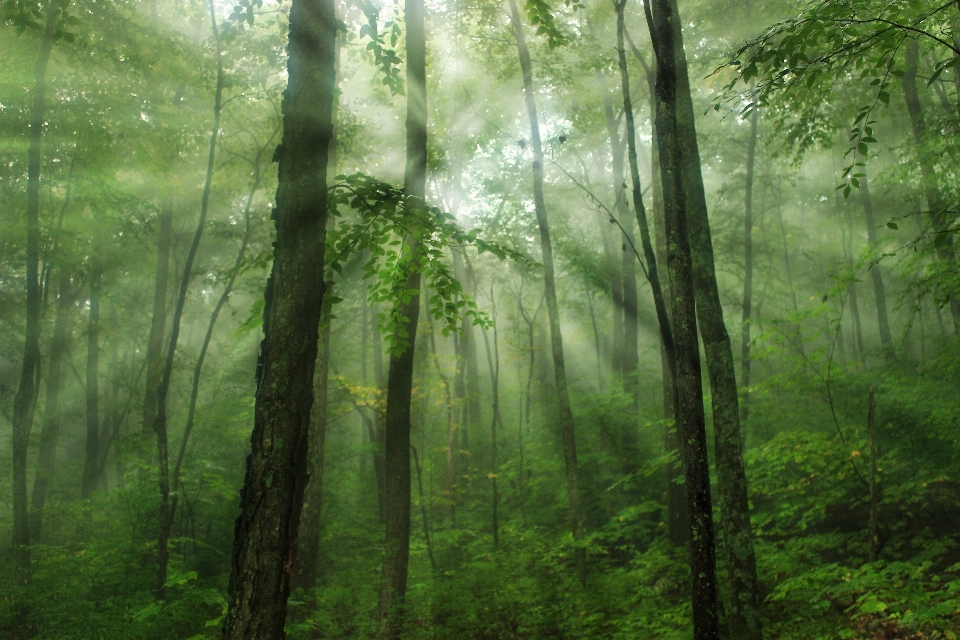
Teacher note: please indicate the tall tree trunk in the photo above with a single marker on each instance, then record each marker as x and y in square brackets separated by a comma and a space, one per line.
[165, 513]
[638, 206]
[879, 292]
[744, 598]
[747, 270]
[691, 419]
[52, 419]
[264, 545]
[852, 295]
[677, 530]
[92, 459]
[935, 202]
[550, 291]
[496, 422]
[308, 564]
[24, 403]
[158, 322]
[393, 578]
[874, 532]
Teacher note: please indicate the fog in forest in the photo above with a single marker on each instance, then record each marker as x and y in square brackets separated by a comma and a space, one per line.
[479, 319]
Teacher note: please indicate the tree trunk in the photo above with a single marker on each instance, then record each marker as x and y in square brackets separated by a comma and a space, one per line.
[747, 270]
[158, 322]
[935, 202]
[393, 578]
[165, 513]
[680, 266]
[553, 311]
[52, 420]
[92, 459]
[879, 292]
[24, 403]
[266, 531]
[852, 295]
[308, 563]
[744, 600]
[649, 255]
[493, 364]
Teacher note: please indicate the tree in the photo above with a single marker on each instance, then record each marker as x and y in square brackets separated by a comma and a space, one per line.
[264, 554]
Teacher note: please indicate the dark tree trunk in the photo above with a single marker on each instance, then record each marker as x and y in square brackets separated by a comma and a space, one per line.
[167, 507]
[649, 255]
[550, 291]
[24, 403]
[393, 578]
[92, 460]
[744, 600]
[879, 291]
[691, 420]
[496, 422]
[52, 420]
[677, 529]
[266, 531]
[158, 322]
[852, 295]
[935, 202]
[747, 270]
[308, 564]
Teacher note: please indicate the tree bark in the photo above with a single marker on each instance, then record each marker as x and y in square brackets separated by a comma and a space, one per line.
[567, 432]
[308, 564]
[744, 600]
[691, 419]
[53, 418]
[493, 364]
[935, 202]
[266, 531]
[24, 403]
[92, 459]
[393, 578]
[879, 291]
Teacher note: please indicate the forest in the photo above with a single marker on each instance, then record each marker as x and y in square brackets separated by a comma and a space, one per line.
[479, 319]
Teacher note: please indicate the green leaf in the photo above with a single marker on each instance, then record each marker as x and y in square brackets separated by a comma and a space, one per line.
[893, 225]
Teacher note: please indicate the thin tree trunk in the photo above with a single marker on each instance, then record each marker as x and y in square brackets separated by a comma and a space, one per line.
[935, 202]
[691, 419]
[553, 311]
[874, 535]
[91, 462]
[158, 321]
[24, 403]
[264, 546]
[744, 601]
[852, 295]
[747, 270]
[53, 418]
[493, 364]
[879, 292]
[165, 512]
[677, 529]
[393, 578]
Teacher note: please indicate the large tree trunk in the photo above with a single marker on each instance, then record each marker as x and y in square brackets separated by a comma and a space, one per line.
[166, 510]
[550, 291]
[266, 531]
[879, 291]
[691, 419]
[308, 539]
[92, 460]
[393, 578]
[25, 401]
[935, 202]
[746, 318]
[52, 419]
[744, 598]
